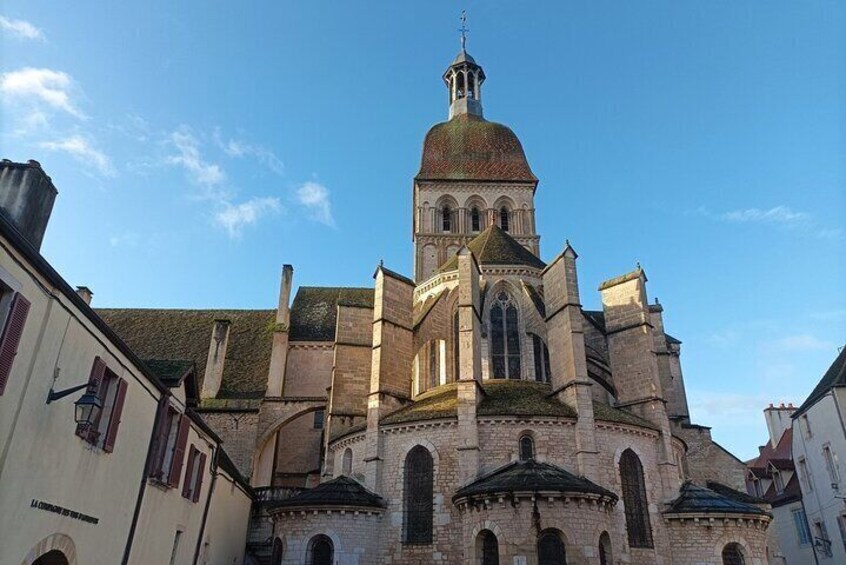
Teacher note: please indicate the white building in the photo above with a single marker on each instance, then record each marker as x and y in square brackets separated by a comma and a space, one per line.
[102, 460]
[819, 441]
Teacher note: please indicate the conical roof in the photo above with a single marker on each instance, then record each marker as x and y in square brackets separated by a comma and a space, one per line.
[696, 499]
[495, 247]
[341, 491]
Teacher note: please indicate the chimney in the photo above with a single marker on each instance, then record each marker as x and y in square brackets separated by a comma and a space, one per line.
[216, 358]
[85, 294]
[26, 197]
[778, 421]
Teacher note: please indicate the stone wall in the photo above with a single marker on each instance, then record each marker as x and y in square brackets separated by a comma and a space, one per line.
[707, 461]
[309, 369]
[238, 431]
[354, 535]
[701, 542]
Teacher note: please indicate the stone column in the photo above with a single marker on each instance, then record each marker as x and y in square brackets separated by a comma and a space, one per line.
[216, 359]
[390, 375]
[567, 357]
[462, 221]
[634, 363]
[469, 389]
[279, 351]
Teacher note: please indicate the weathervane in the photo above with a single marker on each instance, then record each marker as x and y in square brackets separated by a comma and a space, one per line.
[463, 29]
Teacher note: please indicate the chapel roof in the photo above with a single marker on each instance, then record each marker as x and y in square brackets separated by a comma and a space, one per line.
[494, 246]
[531, 476]
[468, 147]
[695, 499]
[835, 376]
[341, 491]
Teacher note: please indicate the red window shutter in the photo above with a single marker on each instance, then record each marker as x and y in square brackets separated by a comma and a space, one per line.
[161, 429]
[186, 486]
[12, 337]
[202, 465]
[94, 380]
[178, 452]
[114, 422]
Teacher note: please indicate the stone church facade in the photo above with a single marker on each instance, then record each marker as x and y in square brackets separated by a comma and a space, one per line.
[473, 414]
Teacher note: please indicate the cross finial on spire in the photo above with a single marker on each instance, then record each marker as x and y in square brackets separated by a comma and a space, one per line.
[463, 29]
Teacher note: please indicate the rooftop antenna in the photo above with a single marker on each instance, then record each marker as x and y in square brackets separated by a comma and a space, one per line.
[463, 29]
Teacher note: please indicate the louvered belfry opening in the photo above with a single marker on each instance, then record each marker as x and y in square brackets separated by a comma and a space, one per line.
[634, 500]
[732, 555]
[551, 549]
[418, 493]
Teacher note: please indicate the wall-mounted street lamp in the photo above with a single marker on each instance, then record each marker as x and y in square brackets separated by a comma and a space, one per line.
[87, 408]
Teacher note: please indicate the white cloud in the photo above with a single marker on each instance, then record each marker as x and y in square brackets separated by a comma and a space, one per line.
[199, 170]
[36, 88]
[801, 342]
[776, 215]
[315, 197]
[238, 148]
[234, 217]
[81, 149]
[20, 29]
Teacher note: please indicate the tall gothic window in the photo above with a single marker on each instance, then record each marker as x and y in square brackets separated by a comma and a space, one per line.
[418, 492]
[505, 338]
[475, 219]
[542, 371]
[446, 219]
[551, 549]
[527, 448]
[503, 219]
[433, 364]
[320, 551]
[634, 500]
[346, 465]
[487, 547]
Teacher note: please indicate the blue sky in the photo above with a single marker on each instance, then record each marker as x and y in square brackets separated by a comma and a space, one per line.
[198, 146]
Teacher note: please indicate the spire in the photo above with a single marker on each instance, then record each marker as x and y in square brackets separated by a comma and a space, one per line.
[464, 79]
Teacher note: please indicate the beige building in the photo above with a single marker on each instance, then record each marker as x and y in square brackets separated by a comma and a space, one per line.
[473, 414]
[103, 459]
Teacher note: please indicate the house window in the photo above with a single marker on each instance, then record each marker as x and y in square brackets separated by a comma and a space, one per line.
[446, 219]
[505, 338]
[171, 439]
[346, 465]
[14, 309]
[318, 419]
[475, 219]
[806, 427]
[732, 555]
[841, 523]
[194, 474]
[822, 543]
[541, 354]
[551, 549]
[111, 390]
[321, 551]
[487, 547]
[779, 483]
[756, 486]
[527, 448]
[503, 219]
[418, 493]
[805, 476]
[175, 551]
[634, 500]
[831, 465]
[803, 532]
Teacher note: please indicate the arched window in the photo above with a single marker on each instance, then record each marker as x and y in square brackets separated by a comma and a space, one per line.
[551, 548]
[278, 552]
[487, 548]
[605, 556]
[346, 465]
[542, 371]
[527, 448]
[446, 219]
[733, 555]
[53, 557]
[505, 338]
[320, 551]
[475, 219]
[503, 219]
[634, 500]
[419, 482]
[433, 365]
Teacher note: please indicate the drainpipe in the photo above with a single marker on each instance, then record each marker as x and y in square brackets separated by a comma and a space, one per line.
[208, 505]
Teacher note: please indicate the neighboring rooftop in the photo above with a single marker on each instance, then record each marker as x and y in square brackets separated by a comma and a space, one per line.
[186, 335]
[835, 376]
[342, 491]
[531, 476]
[493, 246]
[314, 311]
[694, 499]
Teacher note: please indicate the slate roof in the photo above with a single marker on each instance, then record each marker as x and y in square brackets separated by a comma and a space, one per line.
[341, 491]
[835, 376]
[170, 371]
[314, 311]
[531, 476]
[468, 147]
[779, 457]
[694, 499]
[737, 495]
[186, 334]
[495, 247]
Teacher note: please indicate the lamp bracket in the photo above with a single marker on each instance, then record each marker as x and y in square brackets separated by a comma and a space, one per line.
[63, 393]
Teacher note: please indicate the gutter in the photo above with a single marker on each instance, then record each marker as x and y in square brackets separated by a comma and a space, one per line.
[208, 504]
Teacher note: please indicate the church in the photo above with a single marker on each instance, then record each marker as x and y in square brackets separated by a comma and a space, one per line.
[471, 412]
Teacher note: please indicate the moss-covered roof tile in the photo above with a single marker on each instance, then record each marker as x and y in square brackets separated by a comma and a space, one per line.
[314, 311]
[495, 247]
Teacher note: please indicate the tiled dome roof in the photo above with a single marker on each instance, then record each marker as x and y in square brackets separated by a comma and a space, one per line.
[468, 147]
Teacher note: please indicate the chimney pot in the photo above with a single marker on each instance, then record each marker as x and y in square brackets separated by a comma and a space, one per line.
[85, 294]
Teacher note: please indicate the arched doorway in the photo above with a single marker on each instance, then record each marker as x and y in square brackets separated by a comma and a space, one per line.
[54, 557]
[320, 551]
[733, 555]
[551, 548]
[487, 548]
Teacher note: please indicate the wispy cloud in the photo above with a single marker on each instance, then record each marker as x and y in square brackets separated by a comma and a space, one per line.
[234, 217]
[40, 88]
[801, 342]
[315, 198]
[83, 151]
[188, 156]
[20, 29]
[780, 216]
[238, 148]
